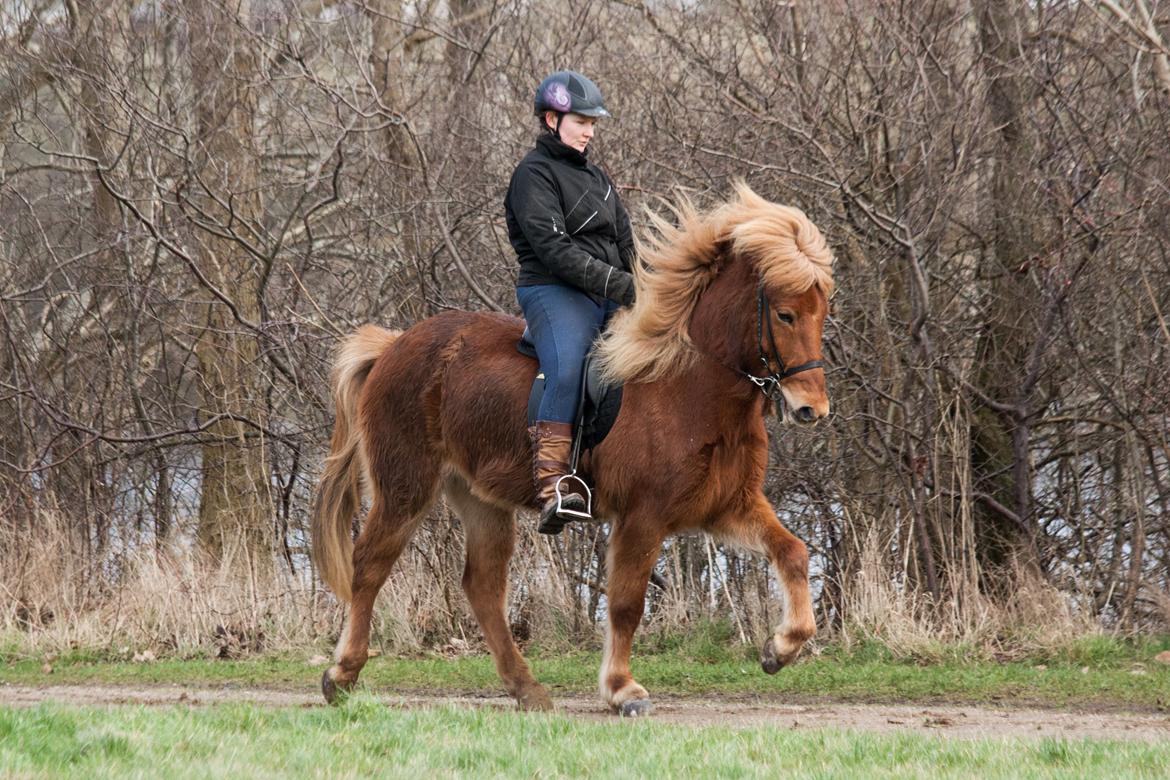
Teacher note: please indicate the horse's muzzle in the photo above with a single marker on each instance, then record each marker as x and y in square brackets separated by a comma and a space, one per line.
[803, 405]
[806, 414]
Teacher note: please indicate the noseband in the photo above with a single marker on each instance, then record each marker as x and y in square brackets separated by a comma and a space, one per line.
[769, 384]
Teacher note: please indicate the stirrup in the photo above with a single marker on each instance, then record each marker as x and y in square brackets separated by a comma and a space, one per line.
[574, 513]
[553, 519]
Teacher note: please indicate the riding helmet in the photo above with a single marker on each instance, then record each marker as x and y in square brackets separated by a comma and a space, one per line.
[567, 91]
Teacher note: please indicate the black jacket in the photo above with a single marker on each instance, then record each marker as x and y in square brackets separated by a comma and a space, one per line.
[567, 224]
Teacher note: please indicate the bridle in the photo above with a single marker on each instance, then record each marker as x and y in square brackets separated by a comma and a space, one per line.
[769, 384]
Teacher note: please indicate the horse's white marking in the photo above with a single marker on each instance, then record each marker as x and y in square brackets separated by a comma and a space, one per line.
[603, 673]
[786, 614]
[342, 641]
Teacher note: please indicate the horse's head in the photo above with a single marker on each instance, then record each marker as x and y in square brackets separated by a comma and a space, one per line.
[789, 349]
[770, 296]
[747, 285]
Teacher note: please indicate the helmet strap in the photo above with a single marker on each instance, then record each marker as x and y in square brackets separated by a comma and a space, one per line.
[553, 131]
[557, 130]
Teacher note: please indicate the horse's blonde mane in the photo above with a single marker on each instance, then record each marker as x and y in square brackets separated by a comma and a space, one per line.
[676, 264]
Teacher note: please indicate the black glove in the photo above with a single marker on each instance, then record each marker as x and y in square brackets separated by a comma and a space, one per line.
[620, 287]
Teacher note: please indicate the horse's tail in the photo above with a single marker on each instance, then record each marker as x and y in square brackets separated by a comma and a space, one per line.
[340, 492]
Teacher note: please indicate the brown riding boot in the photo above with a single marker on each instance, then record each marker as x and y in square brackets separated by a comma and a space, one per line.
[551, 444]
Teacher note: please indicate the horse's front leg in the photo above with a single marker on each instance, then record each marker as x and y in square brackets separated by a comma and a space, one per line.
[634, 544]
[756, 527]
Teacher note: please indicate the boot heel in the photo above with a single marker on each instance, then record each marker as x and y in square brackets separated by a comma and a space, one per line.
[553, 525]
[552, 521]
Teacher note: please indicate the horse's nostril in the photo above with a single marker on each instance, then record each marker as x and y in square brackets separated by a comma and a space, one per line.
[805, 414]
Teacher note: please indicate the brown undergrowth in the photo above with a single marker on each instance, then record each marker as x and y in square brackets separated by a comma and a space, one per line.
[1017, 615]
[61, 596]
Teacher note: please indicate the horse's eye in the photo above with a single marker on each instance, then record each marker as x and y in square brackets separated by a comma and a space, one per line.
[786, 318]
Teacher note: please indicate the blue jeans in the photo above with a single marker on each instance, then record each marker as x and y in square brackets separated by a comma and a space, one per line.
[564, 322]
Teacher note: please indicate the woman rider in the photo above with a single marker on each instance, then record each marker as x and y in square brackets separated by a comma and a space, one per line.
[575, 246]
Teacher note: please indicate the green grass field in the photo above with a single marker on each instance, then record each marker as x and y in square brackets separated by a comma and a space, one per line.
[365, 738]
[1099, 672]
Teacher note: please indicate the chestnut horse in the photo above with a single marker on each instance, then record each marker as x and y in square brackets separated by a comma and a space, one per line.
[724, 301]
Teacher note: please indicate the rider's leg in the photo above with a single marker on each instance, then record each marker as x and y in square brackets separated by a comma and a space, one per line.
[560, 499]
[563, 322]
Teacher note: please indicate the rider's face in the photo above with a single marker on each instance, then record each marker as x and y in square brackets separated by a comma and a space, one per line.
[576, 130]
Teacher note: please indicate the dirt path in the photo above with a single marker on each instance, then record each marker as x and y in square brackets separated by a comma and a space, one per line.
[956, 721]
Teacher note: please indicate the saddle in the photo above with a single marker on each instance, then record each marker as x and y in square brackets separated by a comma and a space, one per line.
[597, 410]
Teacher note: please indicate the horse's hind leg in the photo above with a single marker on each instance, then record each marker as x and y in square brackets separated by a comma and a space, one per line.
[382, 539]
[491, 536]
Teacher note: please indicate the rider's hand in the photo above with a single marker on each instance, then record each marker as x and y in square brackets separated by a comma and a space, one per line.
[621, 288]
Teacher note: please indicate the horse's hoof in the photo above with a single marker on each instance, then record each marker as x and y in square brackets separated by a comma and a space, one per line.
[334, 693]
[635, 708]
[536, 700]
[769, 661]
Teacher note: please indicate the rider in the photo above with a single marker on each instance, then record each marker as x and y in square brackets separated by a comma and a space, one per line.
[575, 246]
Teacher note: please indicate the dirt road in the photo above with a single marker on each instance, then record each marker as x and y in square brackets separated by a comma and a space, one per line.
[956, 721]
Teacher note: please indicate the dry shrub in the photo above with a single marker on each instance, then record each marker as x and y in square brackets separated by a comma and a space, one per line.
[705, 586]
[1023, 616]
[62, 596]
[67, 597]
[1160, 599]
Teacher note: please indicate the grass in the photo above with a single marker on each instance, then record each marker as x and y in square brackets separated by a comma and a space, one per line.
[1098, 671]
[366, 738]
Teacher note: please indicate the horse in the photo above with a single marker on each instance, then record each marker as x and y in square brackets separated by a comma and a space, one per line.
[726, 328]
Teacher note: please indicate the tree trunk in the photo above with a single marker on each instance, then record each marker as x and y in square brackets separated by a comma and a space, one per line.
[405, 162]
[1001, 437]
[235, 511]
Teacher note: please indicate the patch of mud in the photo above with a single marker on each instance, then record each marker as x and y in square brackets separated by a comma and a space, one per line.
[967, 722]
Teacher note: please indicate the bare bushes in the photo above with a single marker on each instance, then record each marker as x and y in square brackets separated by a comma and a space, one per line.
[176, 602]
[171, 600]
[1026, 616]
[61, 596]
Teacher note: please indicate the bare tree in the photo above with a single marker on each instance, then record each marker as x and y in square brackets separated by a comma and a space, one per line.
[200, 198]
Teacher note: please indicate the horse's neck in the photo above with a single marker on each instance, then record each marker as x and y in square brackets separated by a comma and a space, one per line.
[720, 327]
[723, 319]
[710, 390]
